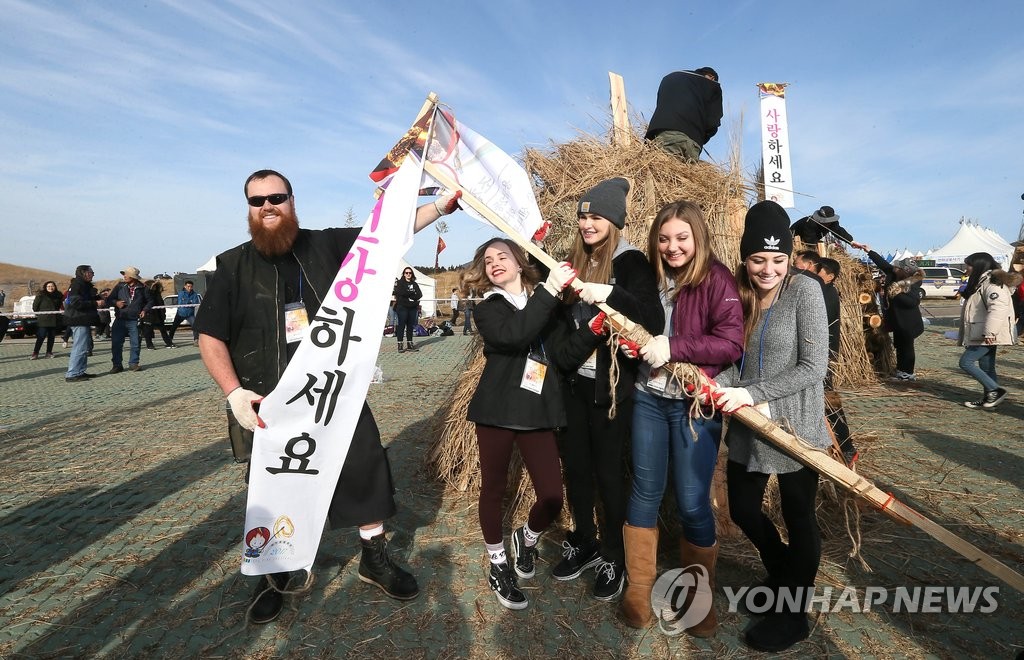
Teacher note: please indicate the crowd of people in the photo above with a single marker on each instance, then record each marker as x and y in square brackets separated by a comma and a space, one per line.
[81, 314]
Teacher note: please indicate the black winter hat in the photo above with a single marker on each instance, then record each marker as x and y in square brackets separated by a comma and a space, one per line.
[608, 200]
[766, 229]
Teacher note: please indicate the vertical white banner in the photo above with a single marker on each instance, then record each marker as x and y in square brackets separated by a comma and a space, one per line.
[312, 413]
[778, 175]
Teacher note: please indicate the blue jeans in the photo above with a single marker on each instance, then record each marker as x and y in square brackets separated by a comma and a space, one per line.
[122, 327]
[406, 322]
[467, 324]
[980, 363]
[80, 334]
[662, 440]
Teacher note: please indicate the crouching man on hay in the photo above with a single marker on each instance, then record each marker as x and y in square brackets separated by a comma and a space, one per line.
[244, 310]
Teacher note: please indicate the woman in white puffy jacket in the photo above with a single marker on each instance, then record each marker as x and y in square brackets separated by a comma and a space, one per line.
[987, 321]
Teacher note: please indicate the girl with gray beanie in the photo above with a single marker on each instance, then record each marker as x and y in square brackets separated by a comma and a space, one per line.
[781, 372]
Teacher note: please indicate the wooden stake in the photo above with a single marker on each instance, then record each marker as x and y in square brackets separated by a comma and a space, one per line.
[621, 132]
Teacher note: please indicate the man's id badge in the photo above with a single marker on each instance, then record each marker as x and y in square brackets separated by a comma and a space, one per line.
[534, 372]
[295, 322]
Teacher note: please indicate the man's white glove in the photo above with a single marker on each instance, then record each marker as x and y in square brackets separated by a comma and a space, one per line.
[559, 278]
[593, 293]
[656, 352]
[241, 401]
[730, 399]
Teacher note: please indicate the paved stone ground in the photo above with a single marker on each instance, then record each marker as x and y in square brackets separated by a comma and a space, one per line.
[122, 514]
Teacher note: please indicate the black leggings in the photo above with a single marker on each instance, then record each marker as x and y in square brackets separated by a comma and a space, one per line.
[904, 345]
[592, 452]
[540, 455]
[792, 565]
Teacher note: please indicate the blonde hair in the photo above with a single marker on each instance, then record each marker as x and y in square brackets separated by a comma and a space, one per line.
[475, 277]
[696, 269]
[593, 263]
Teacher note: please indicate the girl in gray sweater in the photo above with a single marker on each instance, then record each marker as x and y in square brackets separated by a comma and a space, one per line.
[782, 373]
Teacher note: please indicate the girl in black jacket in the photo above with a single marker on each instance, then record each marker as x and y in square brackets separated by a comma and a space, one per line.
[517, 402]
[47, 299]
[407, 301]
[592, 443]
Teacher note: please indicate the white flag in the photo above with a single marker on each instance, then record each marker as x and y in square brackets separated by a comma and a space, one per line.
[312, 413]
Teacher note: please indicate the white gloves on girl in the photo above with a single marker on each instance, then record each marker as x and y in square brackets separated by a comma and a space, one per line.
[730, 399]
[559, 278]
[656, 352]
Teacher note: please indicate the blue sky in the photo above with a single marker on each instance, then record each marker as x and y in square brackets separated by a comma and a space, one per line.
[127, 128]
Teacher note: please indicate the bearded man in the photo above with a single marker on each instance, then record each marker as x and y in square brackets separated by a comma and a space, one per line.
[243, 343]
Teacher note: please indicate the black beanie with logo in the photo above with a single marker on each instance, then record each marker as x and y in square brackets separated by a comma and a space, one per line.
[608, 200]
[766, 229]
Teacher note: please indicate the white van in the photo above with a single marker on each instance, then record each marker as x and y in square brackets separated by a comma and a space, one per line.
[941, 281]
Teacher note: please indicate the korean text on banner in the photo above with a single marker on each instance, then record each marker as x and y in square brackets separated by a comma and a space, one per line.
[778, 176]
[312, 413]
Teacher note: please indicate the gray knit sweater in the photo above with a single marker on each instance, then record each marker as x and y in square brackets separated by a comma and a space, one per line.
[792, 364]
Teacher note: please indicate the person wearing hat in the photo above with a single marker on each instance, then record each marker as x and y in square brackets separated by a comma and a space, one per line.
[130, 301]
[782, 371]
[592, 442]
[901, 309]
[688, 113]
[814, 228]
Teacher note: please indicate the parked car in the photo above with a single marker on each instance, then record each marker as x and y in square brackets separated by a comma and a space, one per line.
[941, 281]
[23, 319]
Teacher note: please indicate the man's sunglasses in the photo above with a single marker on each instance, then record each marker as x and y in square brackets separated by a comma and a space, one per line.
[275, 199]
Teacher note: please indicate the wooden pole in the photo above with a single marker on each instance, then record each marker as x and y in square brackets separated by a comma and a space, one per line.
[621, 132]
[846, 478]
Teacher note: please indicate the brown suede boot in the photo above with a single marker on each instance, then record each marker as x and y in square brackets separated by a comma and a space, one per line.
[706, 557]
[641, 567]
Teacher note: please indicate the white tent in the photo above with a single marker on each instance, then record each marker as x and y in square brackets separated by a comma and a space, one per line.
[427, 285]
[210, 265]
[972, 238]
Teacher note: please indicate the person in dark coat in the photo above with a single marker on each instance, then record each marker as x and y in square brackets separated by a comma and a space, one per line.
[688, 113]
[48, 299]
[407, 301]
[814, 228]
[902, 301]
[828, 271]
[592, 443]
[518, 402]
[80, 314]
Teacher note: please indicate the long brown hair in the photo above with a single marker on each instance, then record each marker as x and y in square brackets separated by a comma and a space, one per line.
[696, 269]
[749, 300]
[593, 263]
[475, 278]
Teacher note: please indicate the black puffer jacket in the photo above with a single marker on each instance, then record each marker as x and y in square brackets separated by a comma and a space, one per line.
[903, 313]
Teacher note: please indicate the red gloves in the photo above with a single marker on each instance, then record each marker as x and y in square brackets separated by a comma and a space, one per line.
[597, 323]
[542, 232]
[629, 348]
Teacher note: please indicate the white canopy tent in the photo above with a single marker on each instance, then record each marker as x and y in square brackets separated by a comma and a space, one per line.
[972, 238]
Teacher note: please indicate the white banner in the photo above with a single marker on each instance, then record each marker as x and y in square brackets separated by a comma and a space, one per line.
[487, 172]
[778, 176]
[312, 413]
